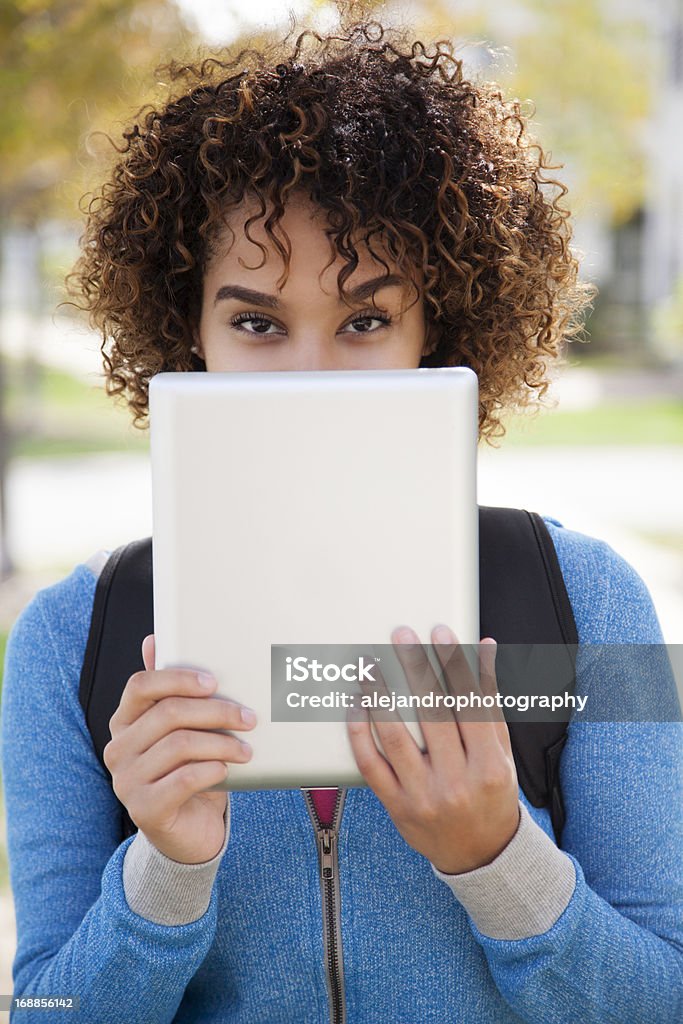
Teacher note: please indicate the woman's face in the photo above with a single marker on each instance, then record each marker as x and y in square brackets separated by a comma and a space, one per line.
[247, 324]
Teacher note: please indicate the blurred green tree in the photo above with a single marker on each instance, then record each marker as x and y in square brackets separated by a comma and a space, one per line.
[589, 66]
[586, 68]
[66, 68]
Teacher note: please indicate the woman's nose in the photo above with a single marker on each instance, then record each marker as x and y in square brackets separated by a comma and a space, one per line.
[312, 355]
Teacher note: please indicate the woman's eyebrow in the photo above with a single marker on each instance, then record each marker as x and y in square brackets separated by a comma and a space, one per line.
[361, 291]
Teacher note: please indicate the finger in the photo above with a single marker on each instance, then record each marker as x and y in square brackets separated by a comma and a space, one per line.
[399, 747]
[374, 767]
[438, 724]
[149, 651]
[485, 737]
[378, 692]
[475, 724]
[170, 793]
[144, 689]
[184, 746]
[457, 675]
[215, 714]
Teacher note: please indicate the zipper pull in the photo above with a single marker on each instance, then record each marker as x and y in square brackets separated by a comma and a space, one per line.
[326, 838]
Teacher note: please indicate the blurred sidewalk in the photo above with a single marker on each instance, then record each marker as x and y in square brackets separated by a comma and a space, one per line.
[625, 496]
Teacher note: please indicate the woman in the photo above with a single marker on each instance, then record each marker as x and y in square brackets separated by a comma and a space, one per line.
[228, 223]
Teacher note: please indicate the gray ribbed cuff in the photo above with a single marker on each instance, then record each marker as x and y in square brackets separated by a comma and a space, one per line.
[163, 890]
[523, 891]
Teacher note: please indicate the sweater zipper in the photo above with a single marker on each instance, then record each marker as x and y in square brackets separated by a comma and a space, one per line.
[328, 862]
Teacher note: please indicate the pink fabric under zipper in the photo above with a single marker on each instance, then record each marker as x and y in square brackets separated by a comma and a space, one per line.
[324, 801]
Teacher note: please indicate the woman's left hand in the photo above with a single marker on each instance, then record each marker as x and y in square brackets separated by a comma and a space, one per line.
[457, 804]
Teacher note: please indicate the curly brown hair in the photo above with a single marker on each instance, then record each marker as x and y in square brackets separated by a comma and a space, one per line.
[388, 138]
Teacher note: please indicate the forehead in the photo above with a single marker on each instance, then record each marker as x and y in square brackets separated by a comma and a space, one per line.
[244, 246]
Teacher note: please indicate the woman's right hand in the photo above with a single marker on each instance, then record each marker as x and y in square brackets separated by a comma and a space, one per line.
[162, 757]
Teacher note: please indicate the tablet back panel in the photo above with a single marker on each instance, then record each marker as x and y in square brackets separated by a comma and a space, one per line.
[309, 507]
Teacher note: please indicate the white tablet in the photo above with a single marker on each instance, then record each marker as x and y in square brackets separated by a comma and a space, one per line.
[299, 508]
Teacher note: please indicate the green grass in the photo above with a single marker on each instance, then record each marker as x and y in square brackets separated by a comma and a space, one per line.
[653, 421]
[66, 415]
[63, 444]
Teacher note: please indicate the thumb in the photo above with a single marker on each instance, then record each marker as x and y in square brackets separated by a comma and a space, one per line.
[148, 652]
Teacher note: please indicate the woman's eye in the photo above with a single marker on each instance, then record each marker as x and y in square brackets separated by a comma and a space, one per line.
[366, 319]
[261, 324]
[257, 319]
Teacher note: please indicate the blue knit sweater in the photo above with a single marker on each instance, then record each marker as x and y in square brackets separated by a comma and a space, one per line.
[413, 954]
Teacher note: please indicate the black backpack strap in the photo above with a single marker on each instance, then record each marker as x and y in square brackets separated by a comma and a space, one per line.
[524, 603]
[122, 616]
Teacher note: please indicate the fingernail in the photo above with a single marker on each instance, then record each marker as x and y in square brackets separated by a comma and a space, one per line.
[248, 716]
[206, 681]
[406, 637]
[443, 635]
